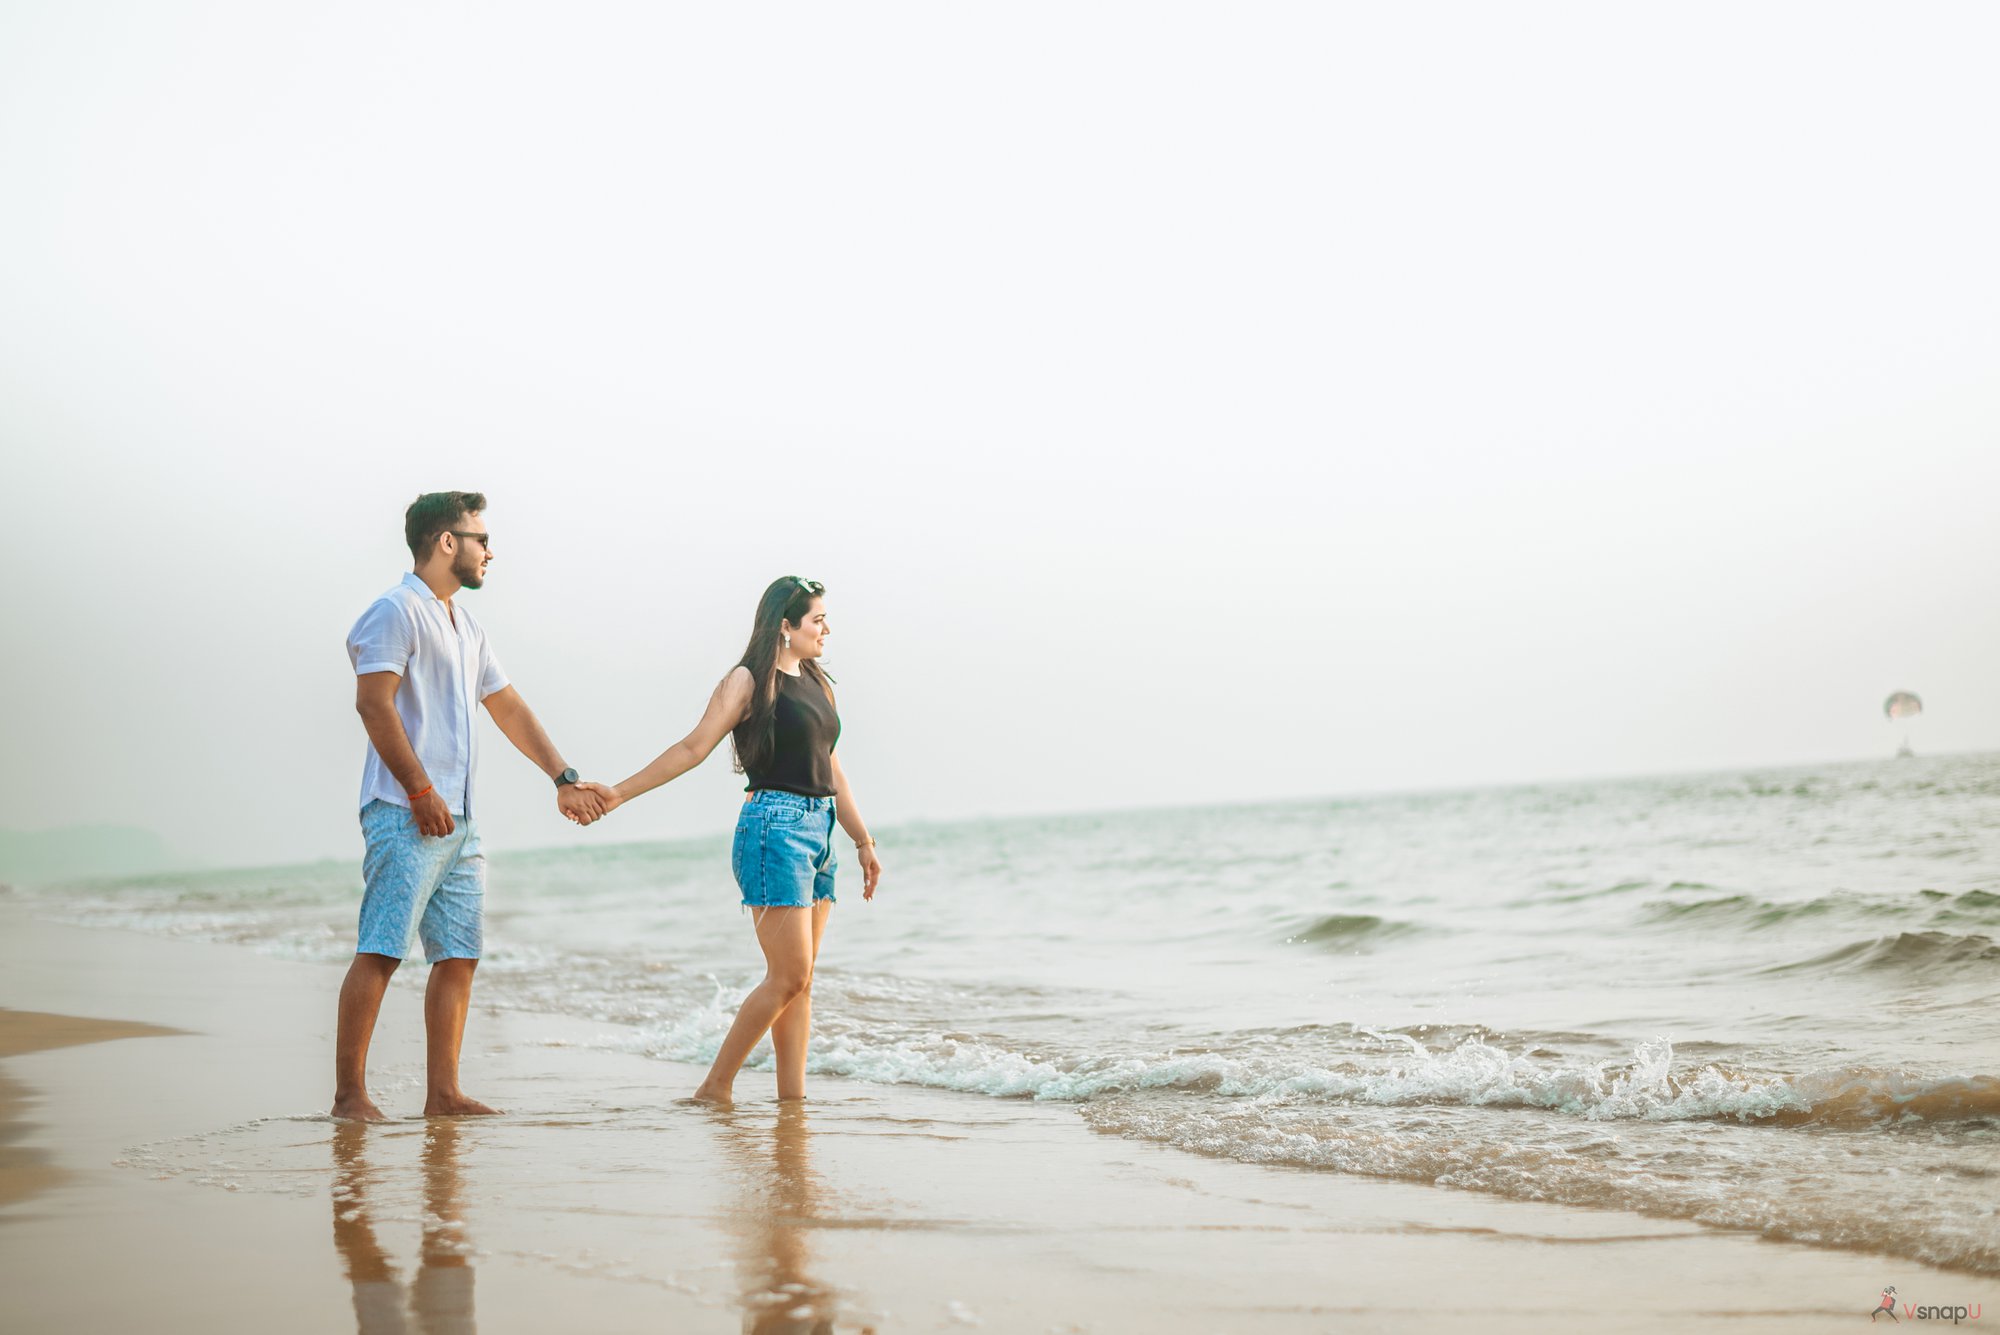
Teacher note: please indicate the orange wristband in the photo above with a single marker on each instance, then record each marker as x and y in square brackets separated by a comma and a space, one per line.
[415, 796]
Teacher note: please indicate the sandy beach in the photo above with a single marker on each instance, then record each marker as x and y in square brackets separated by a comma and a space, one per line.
[169, 1168]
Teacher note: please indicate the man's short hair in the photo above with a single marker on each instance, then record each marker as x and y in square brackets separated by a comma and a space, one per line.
[435, 512]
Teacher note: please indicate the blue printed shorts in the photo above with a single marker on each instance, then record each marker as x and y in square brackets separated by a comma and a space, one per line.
[783, 854]
[419, 887]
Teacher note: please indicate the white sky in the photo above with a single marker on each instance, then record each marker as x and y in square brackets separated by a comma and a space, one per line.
[1183, 404]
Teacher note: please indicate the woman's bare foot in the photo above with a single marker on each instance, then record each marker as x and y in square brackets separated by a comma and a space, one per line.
[357, 1108]
[706, 1094]
[456, 1105]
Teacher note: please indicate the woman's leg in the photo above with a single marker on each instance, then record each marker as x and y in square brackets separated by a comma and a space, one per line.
[786, 936]
[793, 1026]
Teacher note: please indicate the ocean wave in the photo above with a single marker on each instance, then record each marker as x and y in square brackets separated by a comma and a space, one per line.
[1750, 912]
[1735, 907]
[1914, 955]
[1573, 894]
[1342, 1065]
[1804, 1189]
[1648, 1087]
[1346, 931]
[1975, 907]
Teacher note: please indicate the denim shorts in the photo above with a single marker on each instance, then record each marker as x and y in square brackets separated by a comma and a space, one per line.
[431, 889]
[783, 854]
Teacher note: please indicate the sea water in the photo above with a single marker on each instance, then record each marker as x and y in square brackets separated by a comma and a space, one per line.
[1766, 1000]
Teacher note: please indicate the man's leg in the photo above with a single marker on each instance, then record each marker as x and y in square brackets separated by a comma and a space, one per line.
[360, 1003]
[399, 867]
[453, 933]
[447, 998]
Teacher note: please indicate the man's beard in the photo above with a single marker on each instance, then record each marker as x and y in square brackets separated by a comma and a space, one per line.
[467, 573]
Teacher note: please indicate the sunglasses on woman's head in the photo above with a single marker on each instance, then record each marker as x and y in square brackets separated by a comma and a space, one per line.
[811, 586]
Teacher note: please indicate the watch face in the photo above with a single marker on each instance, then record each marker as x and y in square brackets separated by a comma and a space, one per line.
[567, 776]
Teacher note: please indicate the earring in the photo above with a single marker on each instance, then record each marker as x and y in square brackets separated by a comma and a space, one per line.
[788, 641]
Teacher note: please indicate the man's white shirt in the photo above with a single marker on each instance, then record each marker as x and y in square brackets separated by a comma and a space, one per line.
[446, 669]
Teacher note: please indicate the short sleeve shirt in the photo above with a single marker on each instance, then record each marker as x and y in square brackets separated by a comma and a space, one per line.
[447, 667]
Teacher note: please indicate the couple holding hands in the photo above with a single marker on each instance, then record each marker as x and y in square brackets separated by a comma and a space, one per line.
[423, 666]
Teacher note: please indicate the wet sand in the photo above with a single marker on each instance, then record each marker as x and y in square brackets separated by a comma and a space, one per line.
[189, 1181]
[24, 1169]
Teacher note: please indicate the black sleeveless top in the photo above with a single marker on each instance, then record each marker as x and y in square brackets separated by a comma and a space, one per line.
[804, 729]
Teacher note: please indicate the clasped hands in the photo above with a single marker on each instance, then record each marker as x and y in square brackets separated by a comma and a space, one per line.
[580, 802]
[585, 802]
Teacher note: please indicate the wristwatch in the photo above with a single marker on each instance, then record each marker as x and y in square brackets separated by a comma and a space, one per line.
[566, 778]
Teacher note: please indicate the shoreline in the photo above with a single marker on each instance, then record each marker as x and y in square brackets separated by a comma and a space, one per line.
[195, 1183]
[25, 1169]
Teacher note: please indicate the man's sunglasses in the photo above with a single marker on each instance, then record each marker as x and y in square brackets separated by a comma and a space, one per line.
[485, 539]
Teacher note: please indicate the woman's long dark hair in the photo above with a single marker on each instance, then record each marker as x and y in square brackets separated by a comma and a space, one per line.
[787, 599]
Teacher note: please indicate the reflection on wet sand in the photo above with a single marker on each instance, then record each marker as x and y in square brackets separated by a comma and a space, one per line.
[440, 1297]
[781, 1202]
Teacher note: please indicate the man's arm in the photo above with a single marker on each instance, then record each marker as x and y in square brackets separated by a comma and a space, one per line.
[525, 731]
[375, 701]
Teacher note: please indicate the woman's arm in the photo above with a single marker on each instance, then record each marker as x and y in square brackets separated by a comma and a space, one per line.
[725, 710]
[857, 829]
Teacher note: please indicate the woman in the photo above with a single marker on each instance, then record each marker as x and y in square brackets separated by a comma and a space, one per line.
[777, 706]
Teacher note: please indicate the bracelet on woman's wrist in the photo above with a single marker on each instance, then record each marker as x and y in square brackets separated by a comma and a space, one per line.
[863, 843]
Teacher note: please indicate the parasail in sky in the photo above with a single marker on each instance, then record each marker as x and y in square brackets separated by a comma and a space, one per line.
[1903, 707]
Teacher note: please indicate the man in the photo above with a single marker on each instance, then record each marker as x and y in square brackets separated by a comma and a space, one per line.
[421, 665]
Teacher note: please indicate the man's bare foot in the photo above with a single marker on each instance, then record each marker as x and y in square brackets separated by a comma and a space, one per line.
[456, 1105]
[357, 1108]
